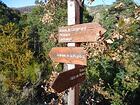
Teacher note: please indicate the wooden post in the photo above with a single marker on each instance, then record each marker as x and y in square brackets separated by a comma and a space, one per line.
[73, 18]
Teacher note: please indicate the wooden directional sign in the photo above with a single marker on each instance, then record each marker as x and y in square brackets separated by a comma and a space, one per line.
[69, 55]
[69, 79]
[87, 32]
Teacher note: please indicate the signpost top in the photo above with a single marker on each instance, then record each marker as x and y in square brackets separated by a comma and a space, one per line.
[87, 32]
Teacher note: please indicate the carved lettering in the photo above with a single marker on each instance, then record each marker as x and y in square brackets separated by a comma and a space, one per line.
[71, 56]
[65, 39]
[77, 76]
[67, 30]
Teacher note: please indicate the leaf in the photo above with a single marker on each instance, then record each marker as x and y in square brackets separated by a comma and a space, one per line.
[109, 41]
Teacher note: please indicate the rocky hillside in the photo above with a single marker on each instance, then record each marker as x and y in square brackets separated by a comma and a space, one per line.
[96, 9]
[26, 9]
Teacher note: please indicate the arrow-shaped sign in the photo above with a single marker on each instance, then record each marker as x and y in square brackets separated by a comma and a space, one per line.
[69, 79]
[87, 32]
[69, 55]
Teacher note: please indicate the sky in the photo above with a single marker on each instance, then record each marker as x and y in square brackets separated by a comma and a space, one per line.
[21, 3]
[18, 3]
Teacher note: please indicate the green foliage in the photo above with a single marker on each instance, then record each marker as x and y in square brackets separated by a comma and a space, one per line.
[114, 73]
[8, 15]
[14, 46]
[15, 58]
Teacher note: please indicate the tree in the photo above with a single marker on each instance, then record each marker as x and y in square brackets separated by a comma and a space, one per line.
[113, 74]
[14, 58]
[8, 15]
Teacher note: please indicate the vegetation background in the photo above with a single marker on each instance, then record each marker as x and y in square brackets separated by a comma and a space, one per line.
[26, 71]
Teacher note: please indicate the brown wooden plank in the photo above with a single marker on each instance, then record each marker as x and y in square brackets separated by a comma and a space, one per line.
[69, 79]
[69, 55]
[87, 32]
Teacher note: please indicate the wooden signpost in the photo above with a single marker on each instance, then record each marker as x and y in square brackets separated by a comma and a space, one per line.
[69, 78]
[69, 55]
[73, 18]
[87, 32]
